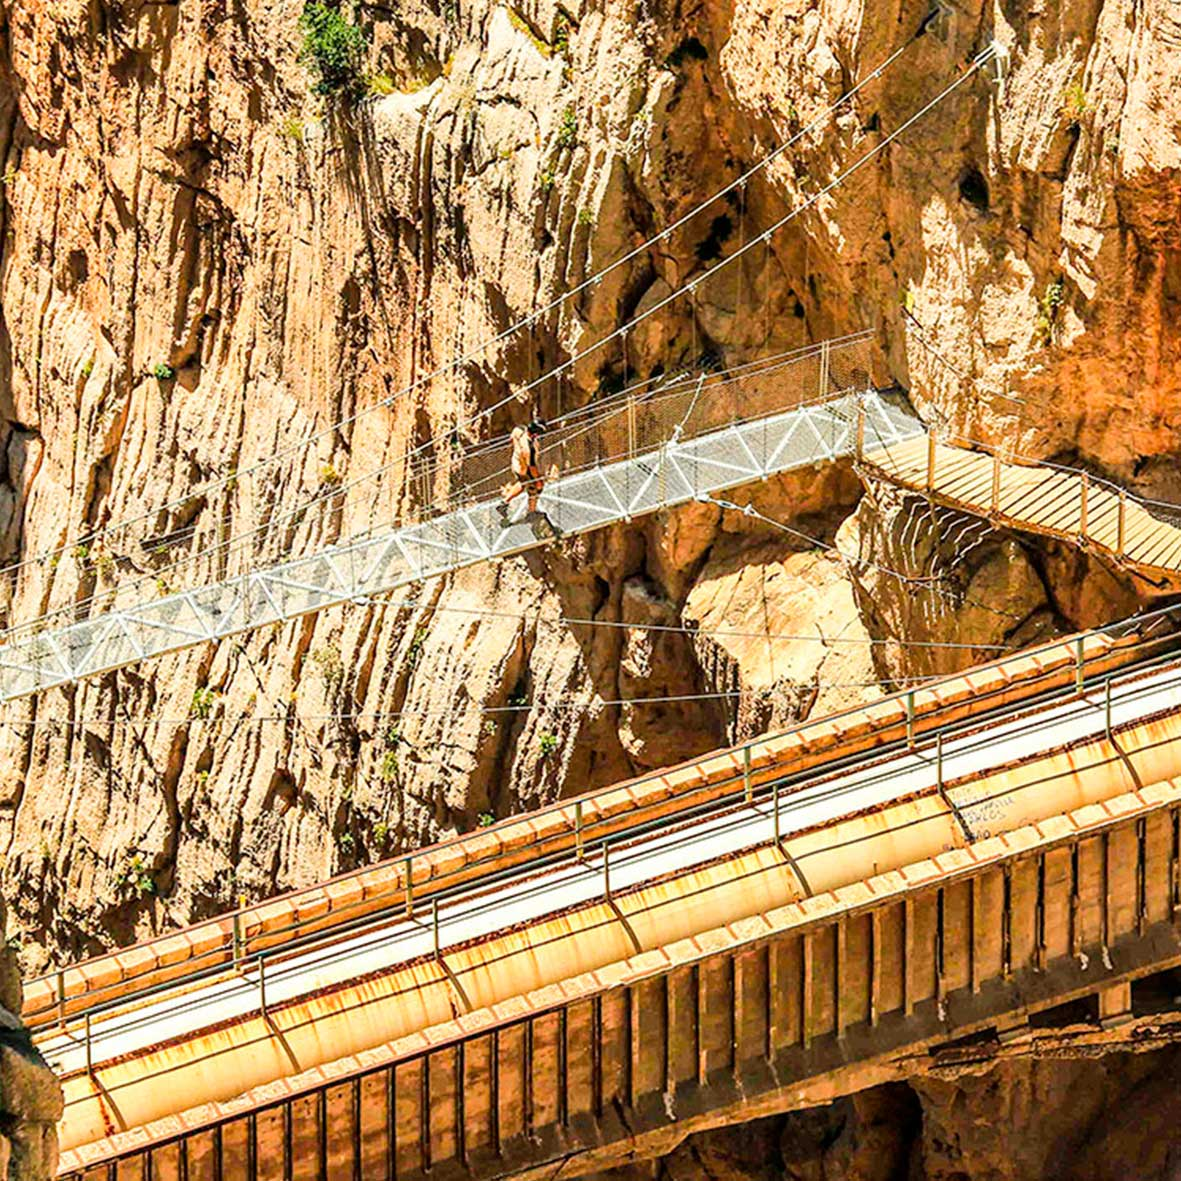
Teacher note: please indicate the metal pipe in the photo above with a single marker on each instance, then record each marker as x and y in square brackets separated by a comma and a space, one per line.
[578, 849]
[409, 864]
[606, 873]
[746, 784]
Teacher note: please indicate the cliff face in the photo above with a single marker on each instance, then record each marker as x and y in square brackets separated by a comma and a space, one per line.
[204, 263]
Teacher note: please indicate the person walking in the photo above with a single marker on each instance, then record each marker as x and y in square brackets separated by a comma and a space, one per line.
[525, 463]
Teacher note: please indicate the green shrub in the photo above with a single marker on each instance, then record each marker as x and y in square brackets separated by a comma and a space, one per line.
[329, 476]
[330, 664]
[546, 181]
[562, 36]
[292, 128]
[379, 85]
[547, 744]
[346, 843]
[485, 819]
[88, 368]
[1049, 307]
[137, 877]
[568, 129]
[332, 49]
[381, 834]
[163, 372]
[203, 702]
[389, 766]
[585, 217]
[1074, 103]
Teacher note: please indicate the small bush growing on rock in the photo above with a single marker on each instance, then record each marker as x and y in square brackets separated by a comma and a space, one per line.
[87, 368]
[379, 85]
[332, 49]
[562, 36]
[546, 181]
[568, 129]
[546, 745]
[346, 843]
[330, 664]
[1074, 103]
[203, 702]
[389, 766]
[137, 877]
[381, 834]
[329, 476]
[1049, 307]
[292, 128]
[585, 217]
[163, 372]
[485, 819]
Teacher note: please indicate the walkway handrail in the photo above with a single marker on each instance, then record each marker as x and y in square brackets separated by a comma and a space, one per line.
[402, 882]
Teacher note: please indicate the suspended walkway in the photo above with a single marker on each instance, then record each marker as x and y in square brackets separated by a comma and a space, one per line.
[1140, 535]
[637, 453]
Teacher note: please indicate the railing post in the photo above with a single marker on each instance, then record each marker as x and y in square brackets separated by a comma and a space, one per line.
[1119, 528]
[860, 446]
[61, 997]
[825, 346]
[746, 784]
[1107, 708]
[910, 719]
[939, 760]
[262, 987]
[1082, 507]
[631, 427]
[435, 924]
[930, 462]
[996, 483]
[409, 865]
[1078, 665]
[238, 932]
[606, 873]
[579, 853]
[776, 810]
[89, 1049]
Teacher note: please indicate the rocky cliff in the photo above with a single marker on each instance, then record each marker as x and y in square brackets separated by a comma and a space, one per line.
[205, 263]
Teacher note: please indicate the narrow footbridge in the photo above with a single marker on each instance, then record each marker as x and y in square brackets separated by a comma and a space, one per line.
[970, 862]
[650, 449]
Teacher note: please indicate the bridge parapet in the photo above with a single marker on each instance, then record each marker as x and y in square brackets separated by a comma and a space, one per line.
[774, 1011]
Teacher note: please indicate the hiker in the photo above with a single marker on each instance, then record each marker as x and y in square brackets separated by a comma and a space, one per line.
[526, 464]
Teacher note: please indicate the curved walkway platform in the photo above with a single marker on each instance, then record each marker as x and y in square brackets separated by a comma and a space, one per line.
[1143, 536]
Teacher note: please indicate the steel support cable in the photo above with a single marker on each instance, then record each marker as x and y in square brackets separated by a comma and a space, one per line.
[477, 351]
[238, 721]
[931, 583]
[981, 60]
[224, 548]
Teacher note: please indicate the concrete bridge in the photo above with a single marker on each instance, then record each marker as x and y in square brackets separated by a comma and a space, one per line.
[772, 925]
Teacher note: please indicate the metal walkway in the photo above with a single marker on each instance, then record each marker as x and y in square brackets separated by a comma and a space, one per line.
[704, 436]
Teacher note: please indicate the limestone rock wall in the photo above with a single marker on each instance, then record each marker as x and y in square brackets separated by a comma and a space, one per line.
[203, 265]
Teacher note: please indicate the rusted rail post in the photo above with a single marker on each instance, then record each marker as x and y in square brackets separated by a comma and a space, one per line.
[1078, 665]
[1082, 506]
[746, 784]
[606, 873]
[435, 925]
[579, 852]
[910, 719]
[1120, 525]
[1107, 707]
[61, 997]
[930, 462]
[996, 483]
[262, 987]
[89, 1049]
[409, 867]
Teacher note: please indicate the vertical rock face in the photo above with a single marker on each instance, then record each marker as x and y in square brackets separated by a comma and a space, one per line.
[30, 1095]
[204, 265]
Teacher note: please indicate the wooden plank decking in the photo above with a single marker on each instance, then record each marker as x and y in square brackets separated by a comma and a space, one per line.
[1036, 499]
